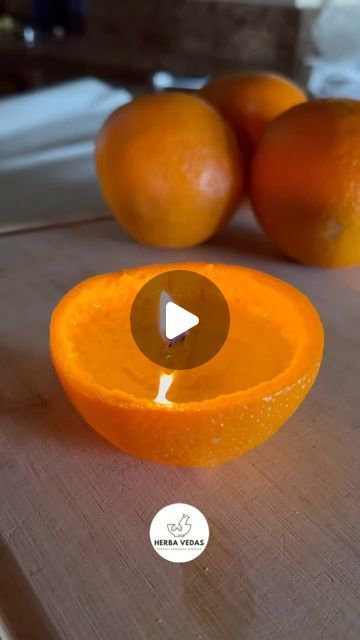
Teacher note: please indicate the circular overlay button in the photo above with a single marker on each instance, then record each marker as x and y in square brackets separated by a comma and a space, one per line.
[179, 532]
[179, 319]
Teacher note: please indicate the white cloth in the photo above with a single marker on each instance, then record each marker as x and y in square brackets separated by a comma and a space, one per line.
[335, 72]
[46, 152]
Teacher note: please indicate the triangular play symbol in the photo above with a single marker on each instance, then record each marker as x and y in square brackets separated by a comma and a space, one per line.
[178, 320]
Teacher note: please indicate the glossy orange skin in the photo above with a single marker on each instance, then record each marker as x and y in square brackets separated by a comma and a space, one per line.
[305, 185]
[193, 433]
[169, 169]
[249, 101]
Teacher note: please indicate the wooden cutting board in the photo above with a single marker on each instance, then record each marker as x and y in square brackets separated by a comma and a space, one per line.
[76, 561]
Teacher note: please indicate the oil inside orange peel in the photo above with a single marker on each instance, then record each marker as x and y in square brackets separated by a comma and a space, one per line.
[201, 416]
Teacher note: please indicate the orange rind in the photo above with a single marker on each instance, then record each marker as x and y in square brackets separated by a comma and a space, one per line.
[197, 417]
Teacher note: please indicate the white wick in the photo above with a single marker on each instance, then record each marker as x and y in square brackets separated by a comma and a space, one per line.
[165, 382]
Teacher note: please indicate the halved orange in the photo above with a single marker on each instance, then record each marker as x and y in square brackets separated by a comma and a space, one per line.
[211, 413]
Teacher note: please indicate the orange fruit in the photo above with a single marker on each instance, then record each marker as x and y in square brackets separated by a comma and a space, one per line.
[249, 101]
[169, 169]
[305, 185]
[211, 413]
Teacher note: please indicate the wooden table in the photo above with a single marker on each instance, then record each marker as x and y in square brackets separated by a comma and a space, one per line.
[76, 562]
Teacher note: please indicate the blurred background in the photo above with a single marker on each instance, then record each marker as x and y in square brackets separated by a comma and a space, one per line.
[66, 64]
[143, 43]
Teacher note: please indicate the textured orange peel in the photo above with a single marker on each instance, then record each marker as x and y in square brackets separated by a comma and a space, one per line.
[212, 413]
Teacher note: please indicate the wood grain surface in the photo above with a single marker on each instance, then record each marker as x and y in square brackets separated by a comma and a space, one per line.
[76, 562]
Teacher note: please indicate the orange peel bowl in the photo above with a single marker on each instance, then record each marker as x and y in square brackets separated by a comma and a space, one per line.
[211, 413]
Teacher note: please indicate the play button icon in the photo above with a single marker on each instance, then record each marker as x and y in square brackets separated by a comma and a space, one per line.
[179, 319]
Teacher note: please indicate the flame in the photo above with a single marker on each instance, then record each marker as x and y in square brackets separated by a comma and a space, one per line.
[165, 382]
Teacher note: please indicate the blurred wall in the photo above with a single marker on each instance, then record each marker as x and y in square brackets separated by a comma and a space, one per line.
[132, 38]
[191, 36]
[19, 8]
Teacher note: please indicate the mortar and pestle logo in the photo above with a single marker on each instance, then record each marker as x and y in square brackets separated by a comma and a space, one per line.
[181, 528]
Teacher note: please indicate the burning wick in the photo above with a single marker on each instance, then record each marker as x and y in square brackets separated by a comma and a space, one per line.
[165, 382]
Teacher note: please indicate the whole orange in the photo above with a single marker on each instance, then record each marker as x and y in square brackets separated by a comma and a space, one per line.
[169, 168]
[305, 184]
[249, 101]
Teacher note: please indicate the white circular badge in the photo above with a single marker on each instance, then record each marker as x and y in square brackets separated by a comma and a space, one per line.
[179, 532]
